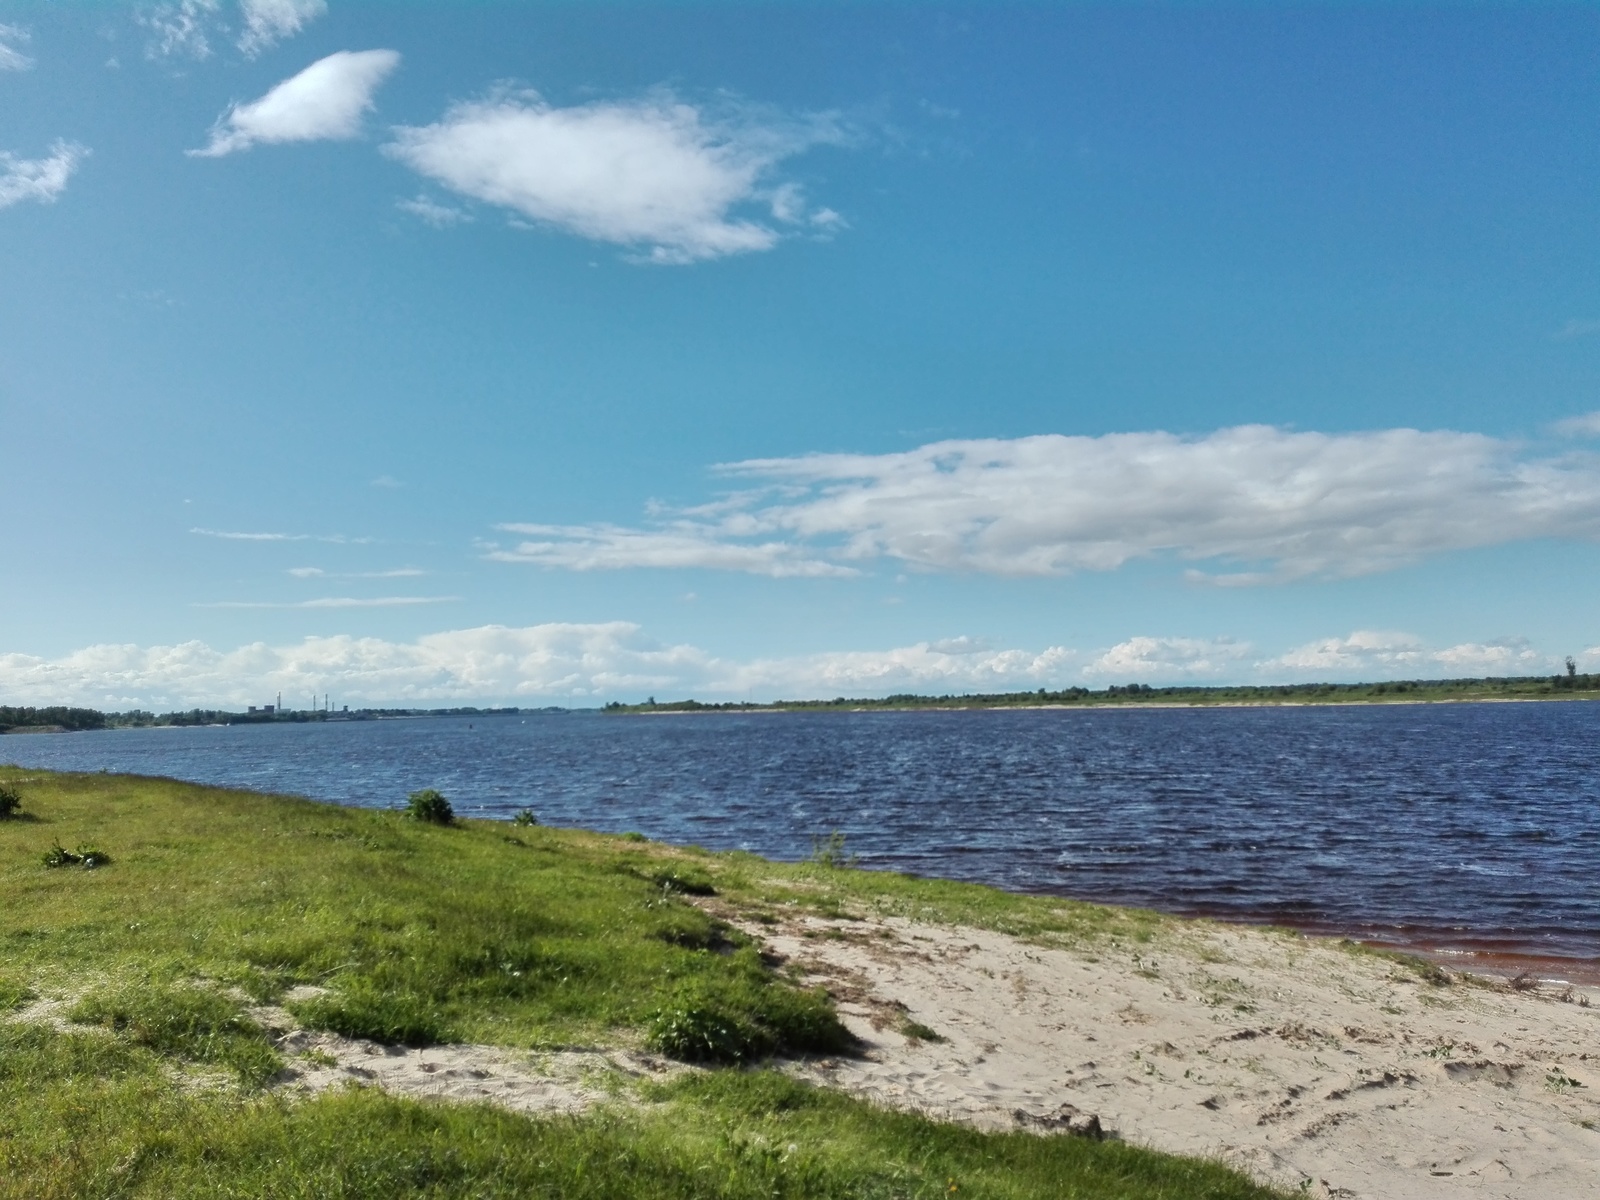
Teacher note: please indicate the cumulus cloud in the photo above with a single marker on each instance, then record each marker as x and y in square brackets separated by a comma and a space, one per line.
[1379, 654]
[268, 22]
[1256, 503]
[12, 58]
[1141, 658]
[671, 181]
[325, 102]
[39, 179]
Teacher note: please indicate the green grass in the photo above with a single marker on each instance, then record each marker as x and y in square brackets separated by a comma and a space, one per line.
[524, 936]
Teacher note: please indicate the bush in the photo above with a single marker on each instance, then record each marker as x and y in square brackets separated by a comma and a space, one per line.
[525, 816]
[430, 806]
[87, 857]
[10, 801]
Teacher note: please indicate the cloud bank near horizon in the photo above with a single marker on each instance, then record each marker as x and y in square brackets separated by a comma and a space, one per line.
[587, 664]
[1255, 503]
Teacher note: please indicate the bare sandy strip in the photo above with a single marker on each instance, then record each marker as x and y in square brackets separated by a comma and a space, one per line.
[1315, 1068]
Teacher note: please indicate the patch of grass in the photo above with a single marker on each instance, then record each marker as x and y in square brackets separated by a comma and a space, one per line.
[96, 1116]
[525, 816]
[187, 1022]
[14, 993]
[87, 857]
[10, 802]
[916, 1031]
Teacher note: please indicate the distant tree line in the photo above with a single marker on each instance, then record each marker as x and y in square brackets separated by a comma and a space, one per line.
[57, 717]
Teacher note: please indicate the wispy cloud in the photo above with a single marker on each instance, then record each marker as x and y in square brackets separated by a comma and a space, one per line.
[1585, 426]
[181, 30]
[431, 212]
[672, 181]
[1576, 328]
[319, 573]
[588, 663]
[11, 57]
[233, 535]
[336, 602]
[268, 22]
[605, 547]
[1256, 503]
[39, 179]
[325, 102]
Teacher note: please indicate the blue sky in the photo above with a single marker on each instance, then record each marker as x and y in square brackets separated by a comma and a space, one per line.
[566, 353]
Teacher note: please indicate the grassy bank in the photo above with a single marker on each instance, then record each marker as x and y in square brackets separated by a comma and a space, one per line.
[155, 1081]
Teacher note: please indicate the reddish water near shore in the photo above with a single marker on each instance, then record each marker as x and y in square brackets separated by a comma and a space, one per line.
[1466, 832]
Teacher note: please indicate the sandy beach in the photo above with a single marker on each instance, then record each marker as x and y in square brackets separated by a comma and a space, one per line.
[1340, 1073]
[1323, 1069]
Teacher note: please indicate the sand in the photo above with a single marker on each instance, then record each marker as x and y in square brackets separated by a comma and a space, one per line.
[1307, 1065]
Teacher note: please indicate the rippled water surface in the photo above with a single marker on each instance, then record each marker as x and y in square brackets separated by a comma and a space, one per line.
[1471, 828]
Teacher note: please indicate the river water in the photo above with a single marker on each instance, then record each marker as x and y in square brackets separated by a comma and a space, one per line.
[1471, 831]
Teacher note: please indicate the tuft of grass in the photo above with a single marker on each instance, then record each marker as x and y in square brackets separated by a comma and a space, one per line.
[10, 802]
[916, 1031]
[525, 816]
[186, 1022]
[430, 806]
[14, 993]
[829, 852]
[87, 857]
[364, 1010]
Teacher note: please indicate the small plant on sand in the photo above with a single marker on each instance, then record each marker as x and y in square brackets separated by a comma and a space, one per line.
[430, 806]
[87, 857]
[830, 852]
[10, 801]
[525, 816]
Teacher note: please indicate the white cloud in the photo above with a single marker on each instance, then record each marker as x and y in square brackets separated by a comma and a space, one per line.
[267, 22]
[660, 176]
[325, 102]
[1576, 328]
[440, 216]
[1141, 658]
[1261, 503]
[1584, 426]
[1379, 654]
[11, 58]
[337, 602]
[605, 547]
[40, 179]
[232, 535]
[181, 29]
[319, 573]
[591, 663]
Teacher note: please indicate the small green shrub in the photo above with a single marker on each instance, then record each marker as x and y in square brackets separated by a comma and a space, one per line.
[10, 801]
[525, 816]
[686, 880]
[87, 857]
[185, 1022]
[700, 1032]
[830, 852]
[742, 1017]
[430, 806]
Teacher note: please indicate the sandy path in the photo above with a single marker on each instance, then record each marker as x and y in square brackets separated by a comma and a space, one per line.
[1289, 1057]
